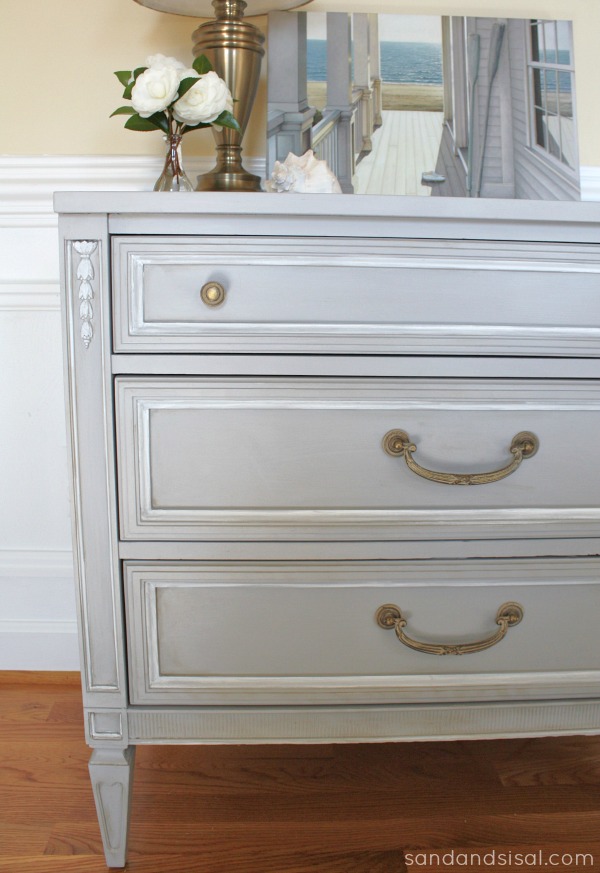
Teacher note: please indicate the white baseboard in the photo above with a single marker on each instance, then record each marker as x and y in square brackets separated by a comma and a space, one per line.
[34, 643]
[38, 646]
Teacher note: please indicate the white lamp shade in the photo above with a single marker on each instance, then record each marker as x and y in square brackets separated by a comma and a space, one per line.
[205, 9]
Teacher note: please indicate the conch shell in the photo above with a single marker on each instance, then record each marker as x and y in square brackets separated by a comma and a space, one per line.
[302, 175]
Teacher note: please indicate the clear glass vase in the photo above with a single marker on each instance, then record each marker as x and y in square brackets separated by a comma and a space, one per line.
[173, 177]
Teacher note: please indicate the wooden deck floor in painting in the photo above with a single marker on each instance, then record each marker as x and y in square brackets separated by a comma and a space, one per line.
[404, 147]
[292, 809]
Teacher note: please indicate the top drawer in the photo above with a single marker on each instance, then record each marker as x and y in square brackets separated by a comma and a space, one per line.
[348, 296]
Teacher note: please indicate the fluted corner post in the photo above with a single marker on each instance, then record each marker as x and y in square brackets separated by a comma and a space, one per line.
[362, 76]
[290, 116]
[339, 93]
[375, 68]
[111, 774]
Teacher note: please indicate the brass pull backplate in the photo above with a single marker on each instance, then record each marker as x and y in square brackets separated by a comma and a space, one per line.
[212, 294]
[390, 617]
[398, 442]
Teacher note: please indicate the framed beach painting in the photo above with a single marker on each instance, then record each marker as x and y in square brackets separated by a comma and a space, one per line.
[450, 106]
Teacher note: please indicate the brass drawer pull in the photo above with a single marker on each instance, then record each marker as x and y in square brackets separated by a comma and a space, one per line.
[390, 617]
[213, 294]
[524, 445]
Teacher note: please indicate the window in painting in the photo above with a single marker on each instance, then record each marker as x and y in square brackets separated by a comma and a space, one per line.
[552, 90]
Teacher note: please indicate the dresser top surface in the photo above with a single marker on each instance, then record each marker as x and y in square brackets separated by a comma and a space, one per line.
[315, 214]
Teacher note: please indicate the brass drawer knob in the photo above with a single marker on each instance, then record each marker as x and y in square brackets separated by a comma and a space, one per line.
[390, 617]
[212, 294]
[398, 442]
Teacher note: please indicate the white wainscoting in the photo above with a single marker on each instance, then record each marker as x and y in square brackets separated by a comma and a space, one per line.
[37, 618]
[590, 183]
[38, 630]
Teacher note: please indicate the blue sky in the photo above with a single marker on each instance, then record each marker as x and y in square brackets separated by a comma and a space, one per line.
[403, 28]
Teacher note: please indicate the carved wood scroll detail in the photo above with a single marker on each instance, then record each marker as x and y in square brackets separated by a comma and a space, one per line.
[85, 276]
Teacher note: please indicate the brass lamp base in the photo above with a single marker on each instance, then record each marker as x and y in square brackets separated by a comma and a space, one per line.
[235, 49]
[229, 174]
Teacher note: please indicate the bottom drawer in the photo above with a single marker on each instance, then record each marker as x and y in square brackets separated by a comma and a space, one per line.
[313, 633]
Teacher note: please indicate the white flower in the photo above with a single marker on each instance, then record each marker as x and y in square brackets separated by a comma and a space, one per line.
[161, 62]
[187, 73]
[204, 101]
[155, 88]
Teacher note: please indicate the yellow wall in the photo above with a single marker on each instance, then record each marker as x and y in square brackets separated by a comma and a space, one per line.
[58, 57]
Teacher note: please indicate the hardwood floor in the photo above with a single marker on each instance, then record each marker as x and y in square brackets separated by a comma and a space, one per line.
[293, 809]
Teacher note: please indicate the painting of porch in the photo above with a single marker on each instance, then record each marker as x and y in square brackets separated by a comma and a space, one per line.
[379, 129]
[405, 145]
[404, 148]
[505, 126]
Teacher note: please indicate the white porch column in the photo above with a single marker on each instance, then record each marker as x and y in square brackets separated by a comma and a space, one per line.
[339, 92]
[375, 67]
[289, 115]
[362, 75]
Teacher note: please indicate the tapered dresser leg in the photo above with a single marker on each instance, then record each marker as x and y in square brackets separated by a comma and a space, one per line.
[111, 772]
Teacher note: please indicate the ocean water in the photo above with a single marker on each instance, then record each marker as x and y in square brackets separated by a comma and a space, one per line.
[415, 62]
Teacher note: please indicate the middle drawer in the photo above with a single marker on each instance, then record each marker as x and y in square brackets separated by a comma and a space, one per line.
[297, 459]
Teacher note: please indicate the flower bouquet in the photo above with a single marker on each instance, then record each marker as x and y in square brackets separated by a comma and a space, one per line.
[168, 96]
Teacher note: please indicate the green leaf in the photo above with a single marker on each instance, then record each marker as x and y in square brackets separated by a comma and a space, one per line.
[136, 122]
[123, 110]
[160, 120]
[134, 77]
[187, 127]
[185, 85]
[202, 65]
[123, 76]
[226, 119]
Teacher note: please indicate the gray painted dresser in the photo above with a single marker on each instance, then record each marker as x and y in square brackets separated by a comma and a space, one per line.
[335, 470]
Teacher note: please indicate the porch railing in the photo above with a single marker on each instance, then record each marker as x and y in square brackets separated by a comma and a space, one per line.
[324, 140]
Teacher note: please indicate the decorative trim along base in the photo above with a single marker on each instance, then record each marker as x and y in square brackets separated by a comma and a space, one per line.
[360, 724]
